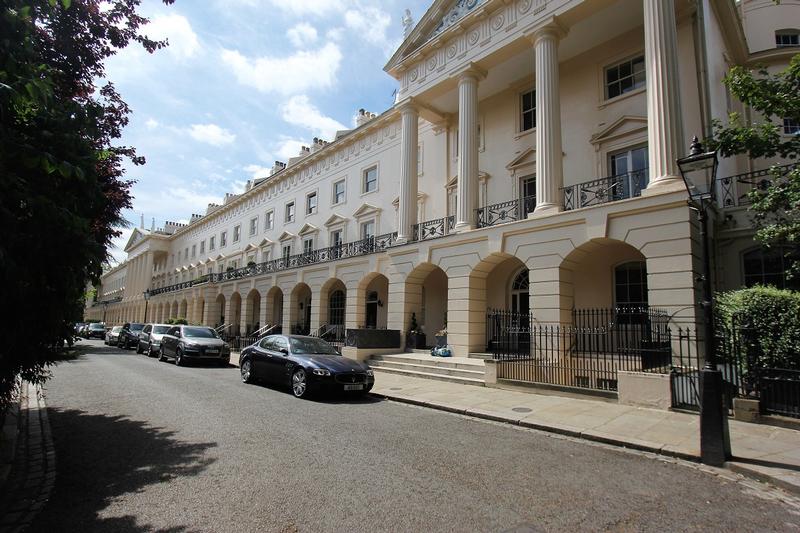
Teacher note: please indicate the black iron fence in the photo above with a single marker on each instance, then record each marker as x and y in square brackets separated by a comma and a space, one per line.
[586, 354]
[604, 190]
[334, 334]
[433, 229]
[510, 211]
[735, 190]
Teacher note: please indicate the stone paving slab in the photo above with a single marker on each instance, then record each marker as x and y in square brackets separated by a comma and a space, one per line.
[767, 453]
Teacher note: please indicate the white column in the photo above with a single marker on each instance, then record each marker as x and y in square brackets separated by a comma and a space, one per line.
[467, 149]
[664, 124]
[549, 157]
[407, 212]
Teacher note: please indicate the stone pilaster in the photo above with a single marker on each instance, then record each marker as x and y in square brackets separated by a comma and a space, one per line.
[664, 124]
[467, 148]
[549, 158]
[407, 212]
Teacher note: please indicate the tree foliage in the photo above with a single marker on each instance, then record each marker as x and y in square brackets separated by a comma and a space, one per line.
[61, 172]
[771, 98]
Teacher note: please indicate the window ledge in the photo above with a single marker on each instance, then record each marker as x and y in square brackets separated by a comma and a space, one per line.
[521, 134]
[621, 97]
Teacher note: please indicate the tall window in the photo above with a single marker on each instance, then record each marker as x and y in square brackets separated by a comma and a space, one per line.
[371, 179]
[212, 242]
[253, 225]
[311, 203]
[286, 251]
[520, 292]
[202, 247]
[336, 308]
[194, 249]
[764, 266]
[625, 77]
[791, 126]
[336, 237]
[223, 239]
[289, 215]
[368, 229]
[527, 193]
[237, 233]
[528, 111]
[628, 169]
[269, 220]
[784, 38]
[338, 192]
[630, 285]
[308, 245]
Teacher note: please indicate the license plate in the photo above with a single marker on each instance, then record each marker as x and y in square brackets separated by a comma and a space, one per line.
[212, 351]
[356, 386]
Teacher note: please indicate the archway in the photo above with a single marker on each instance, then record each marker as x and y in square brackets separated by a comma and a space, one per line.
[372, 301]
[274, 308]
[427, 290]
[173, 309]
[234, 313]
[252, 312]
[218, 316]
[300, 309]
[183, 309]
[333, 309]
[199, 310]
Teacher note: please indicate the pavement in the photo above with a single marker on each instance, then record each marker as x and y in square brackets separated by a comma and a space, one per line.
[768, 453]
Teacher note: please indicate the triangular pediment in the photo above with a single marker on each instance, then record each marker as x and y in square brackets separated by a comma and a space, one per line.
[526, 159]
[249, 247]
[220, 257]
[308, 229]
[625, 125]
[442, 15]
[335, 219]
[265, 242]
[137, 235]
[285, 236]
[366, 210]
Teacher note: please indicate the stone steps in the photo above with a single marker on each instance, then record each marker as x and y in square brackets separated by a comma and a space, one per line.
[454, 370]
[480, 355]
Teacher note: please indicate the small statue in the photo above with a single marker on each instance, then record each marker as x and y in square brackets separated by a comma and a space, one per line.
[408, 23]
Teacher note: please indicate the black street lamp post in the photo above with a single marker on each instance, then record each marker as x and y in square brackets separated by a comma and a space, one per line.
[698, 170]
[146, 295]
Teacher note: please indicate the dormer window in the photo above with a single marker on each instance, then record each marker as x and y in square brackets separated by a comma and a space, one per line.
[786, 38]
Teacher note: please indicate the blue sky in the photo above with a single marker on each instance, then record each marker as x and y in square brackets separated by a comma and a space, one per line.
[242, 84]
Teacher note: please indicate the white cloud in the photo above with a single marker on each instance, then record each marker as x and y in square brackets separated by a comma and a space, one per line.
[304, 7]
[151, 124]
[298, 72]
[116, 251]
[302, 35]
[299, 111]
[211, 134]
[257, 171]
[370, 23]
[288, 147]
[237, 187]
[183, 41]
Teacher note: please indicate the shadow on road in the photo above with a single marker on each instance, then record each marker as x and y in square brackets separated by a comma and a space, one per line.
[100, 459]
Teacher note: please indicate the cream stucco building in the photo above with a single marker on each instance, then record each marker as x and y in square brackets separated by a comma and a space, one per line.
[527, 165]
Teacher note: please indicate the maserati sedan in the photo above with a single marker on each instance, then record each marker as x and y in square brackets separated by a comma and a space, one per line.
[199, 343]
[306, 364]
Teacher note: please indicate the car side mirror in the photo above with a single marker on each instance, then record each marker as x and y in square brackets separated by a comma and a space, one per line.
[284, 351]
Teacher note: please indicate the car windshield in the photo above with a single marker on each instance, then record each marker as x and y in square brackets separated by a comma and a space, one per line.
[116, 329]
[310, 345]
[97, 326]
[136, 327]
[160, 329]
[203, 333]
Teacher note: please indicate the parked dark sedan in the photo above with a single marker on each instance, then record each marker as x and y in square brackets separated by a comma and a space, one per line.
[96, 330]
[306, 364]
[129, 336]
[185, 343]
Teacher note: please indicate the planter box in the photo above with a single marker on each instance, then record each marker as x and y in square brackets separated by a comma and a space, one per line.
[415, 341]
[373, 338]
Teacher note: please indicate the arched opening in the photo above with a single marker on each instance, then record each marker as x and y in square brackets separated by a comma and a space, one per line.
[173, 312]
[183, 310]
[235, 313]
[218, 316]
[768, 266]
[333, 310]
[372, 301]
[274, 309]
[427, 291]
[504, 283]
[199, 310]
[300, 309]
[252, 318]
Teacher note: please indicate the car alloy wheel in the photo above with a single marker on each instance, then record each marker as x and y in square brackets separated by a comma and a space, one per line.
[139, 347]
[179, 357]
[246, 371]
[299, 383]
[161, 355]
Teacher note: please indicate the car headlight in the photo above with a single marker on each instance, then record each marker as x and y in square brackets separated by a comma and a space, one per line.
[191, 345]
[322, 372]
[370, 372]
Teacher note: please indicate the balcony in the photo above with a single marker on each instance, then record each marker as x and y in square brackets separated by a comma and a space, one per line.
[433, 229]
[605, 190]
[734, 190]
[366, 246]
[504, 212]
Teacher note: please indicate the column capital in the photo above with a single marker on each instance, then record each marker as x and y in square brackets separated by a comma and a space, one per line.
[409, 105]
[550, 28]
[471, 72]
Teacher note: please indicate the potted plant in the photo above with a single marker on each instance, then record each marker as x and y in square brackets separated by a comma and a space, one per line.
[416, 337]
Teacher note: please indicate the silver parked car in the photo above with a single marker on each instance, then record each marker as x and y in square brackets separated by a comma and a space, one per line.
[150, 338]
[193, 343]
[112, 336]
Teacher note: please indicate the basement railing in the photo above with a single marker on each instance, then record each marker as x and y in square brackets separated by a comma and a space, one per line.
[605, 190]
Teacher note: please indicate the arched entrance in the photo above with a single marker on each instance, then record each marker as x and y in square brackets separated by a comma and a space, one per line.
[300, 309]
[427, 285]
[333, 309]
[235, 313]
[182, 310]
[218, 317]
[252, 318]
[274, 308]
[373, 296]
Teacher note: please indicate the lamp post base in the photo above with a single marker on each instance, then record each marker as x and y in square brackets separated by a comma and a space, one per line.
[715, 444]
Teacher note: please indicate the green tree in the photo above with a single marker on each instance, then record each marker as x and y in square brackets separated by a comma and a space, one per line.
[61, 172]
[772, 98]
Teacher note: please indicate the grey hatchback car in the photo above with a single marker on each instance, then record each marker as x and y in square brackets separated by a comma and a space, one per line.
[187, 343]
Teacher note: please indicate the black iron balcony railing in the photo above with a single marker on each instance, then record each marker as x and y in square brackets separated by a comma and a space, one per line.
[735, 190]
[433, 229]
[605, 190]
[510, 211]
[366, 246]
[109, 301]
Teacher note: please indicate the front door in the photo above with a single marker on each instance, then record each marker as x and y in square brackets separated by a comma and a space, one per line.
[527, 196]
[372, 311]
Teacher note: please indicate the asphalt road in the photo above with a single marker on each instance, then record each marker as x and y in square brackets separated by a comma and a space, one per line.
[148, 446]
